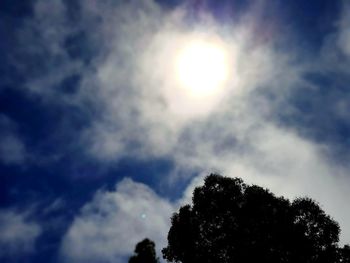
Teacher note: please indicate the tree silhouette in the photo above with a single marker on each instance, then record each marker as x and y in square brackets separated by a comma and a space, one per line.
[345, 254]
[145, 252]
[230, 221]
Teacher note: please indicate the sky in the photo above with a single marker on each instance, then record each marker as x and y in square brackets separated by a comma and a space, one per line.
[100, 142]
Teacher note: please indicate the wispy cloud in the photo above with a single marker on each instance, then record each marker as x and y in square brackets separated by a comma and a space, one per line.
[18, 234]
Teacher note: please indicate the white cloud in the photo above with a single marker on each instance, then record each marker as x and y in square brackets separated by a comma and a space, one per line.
[109, 226]
[17, 233]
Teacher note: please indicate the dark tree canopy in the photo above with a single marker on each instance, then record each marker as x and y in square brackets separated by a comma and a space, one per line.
[345, 254]
[145, 252]
[231, 222]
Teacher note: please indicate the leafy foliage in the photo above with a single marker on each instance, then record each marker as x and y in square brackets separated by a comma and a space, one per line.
[345, 254]
[145, 252]
[230, 221]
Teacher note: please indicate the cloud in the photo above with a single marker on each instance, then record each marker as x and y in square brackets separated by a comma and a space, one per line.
[129, 81]
[141, 114]
[283, 162]
[109, 226]
[145, 113]
[335, 52]
[12, 149]
[17, 233]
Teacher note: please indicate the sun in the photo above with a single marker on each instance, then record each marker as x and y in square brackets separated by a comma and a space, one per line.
[189, 73]
[202, 67]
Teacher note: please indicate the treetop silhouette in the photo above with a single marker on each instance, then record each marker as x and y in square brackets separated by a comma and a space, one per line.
[232, 222]
[145, 252]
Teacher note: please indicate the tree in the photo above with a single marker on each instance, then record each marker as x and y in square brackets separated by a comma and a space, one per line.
[345, 254]
[230, 221]
[145, 252]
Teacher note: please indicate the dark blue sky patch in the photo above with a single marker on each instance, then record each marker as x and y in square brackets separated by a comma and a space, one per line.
[28, 112]
[228, 11]
[313, 20]
[16, 8]
[170, 3]
[314, 111]
[73, 8]
[50, 131]
[70, 84]
[25, 110]
[9, 74]
[79, 46]
[307, 23]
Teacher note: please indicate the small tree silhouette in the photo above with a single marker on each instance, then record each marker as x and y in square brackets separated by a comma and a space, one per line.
[230, 221]
[145, 252]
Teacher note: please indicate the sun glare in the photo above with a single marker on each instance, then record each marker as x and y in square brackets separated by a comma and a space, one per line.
[202, 67]
[193, 71]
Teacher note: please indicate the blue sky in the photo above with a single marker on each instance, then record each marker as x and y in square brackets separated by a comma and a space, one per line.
[98, 147]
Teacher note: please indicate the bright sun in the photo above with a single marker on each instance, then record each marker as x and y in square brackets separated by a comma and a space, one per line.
[202, 67]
